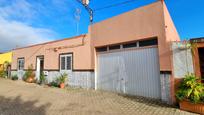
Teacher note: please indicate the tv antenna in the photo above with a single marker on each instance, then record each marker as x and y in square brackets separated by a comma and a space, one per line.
[77, 18]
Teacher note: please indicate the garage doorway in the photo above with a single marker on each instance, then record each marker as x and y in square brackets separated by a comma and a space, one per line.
[133, 72]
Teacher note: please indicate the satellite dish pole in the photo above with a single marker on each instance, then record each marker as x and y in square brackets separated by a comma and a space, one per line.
[85, 3]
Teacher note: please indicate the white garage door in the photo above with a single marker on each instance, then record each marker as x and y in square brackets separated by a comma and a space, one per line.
[134, 72]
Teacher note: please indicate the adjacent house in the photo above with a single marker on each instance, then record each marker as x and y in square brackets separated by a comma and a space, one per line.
[5, 58]
[198, 54]
[187, 57]
[130, 53]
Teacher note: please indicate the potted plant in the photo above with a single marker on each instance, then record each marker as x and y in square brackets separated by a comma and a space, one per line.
[29, 75]
[191, 94]
[61, 80]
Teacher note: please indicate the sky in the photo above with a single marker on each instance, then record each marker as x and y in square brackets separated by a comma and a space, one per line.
[27, 22]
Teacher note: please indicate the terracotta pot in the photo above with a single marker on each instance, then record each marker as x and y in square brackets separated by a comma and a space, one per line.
[191, 107]
[29, 80]
[62, 85]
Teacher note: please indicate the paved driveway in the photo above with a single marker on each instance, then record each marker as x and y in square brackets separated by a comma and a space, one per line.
[20, 98]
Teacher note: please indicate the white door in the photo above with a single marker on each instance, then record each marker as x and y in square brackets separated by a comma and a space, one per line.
[134, 72]
[20, 68]
[39, 69]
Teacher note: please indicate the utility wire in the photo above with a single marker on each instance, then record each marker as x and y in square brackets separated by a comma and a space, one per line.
[113, 5]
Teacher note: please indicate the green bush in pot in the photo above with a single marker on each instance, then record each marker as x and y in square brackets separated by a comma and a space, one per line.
[29, 75]
[191, 90]
[61, 80]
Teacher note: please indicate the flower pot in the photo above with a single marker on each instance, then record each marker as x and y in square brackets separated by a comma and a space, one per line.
[30, 80]
[62, 85]
[192, 107]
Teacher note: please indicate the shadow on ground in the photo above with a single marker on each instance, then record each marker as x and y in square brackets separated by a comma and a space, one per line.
[16, 106]
[147, 101]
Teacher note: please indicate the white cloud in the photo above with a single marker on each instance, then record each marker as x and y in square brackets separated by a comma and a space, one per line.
[16, 29]
[17, 9]
[19, 34]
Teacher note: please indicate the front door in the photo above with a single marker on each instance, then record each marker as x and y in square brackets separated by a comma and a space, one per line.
[20, 68]
[201, 58]
[40, 66]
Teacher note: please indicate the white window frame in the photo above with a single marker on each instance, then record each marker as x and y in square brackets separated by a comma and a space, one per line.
[66, 55]
[18, 64]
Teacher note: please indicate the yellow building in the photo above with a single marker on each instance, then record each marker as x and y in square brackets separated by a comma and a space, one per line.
[5, 57]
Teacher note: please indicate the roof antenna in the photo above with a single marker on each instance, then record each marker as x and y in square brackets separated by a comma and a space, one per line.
[77, 18]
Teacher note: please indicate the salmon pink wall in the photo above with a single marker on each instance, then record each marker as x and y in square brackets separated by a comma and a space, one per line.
[142, 23]
[145, 22]
[81, 53]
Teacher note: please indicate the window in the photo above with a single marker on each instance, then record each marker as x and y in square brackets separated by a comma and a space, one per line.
[20, 64]
[66, 62]
[148, 42]
[101, 49]
[130, 45]
[115, 47]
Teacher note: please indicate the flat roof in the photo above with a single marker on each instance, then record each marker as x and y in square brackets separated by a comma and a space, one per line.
[75, 37]
[126, 12]
[197, 40]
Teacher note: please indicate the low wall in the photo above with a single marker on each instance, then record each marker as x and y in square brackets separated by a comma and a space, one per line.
[182, 64]
[182, 61]
[18, 73]
[75, 79]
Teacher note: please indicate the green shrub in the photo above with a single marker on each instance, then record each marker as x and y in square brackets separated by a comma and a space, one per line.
[14, 77]
[59, 80]
[54, 84]
[3, 74]
[42, 78]
[191, 90]
[3, 71]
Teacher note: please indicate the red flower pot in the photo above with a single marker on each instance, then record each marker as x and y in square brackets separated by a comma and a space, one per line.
[192, 107]
[30, 80]
[62, 85]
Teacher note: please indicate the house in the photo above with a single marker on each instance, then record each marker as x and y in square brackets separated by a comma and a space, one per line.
[72, 55]
[5, 57]
[198, 56]
[187, 57]
[129, 53]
